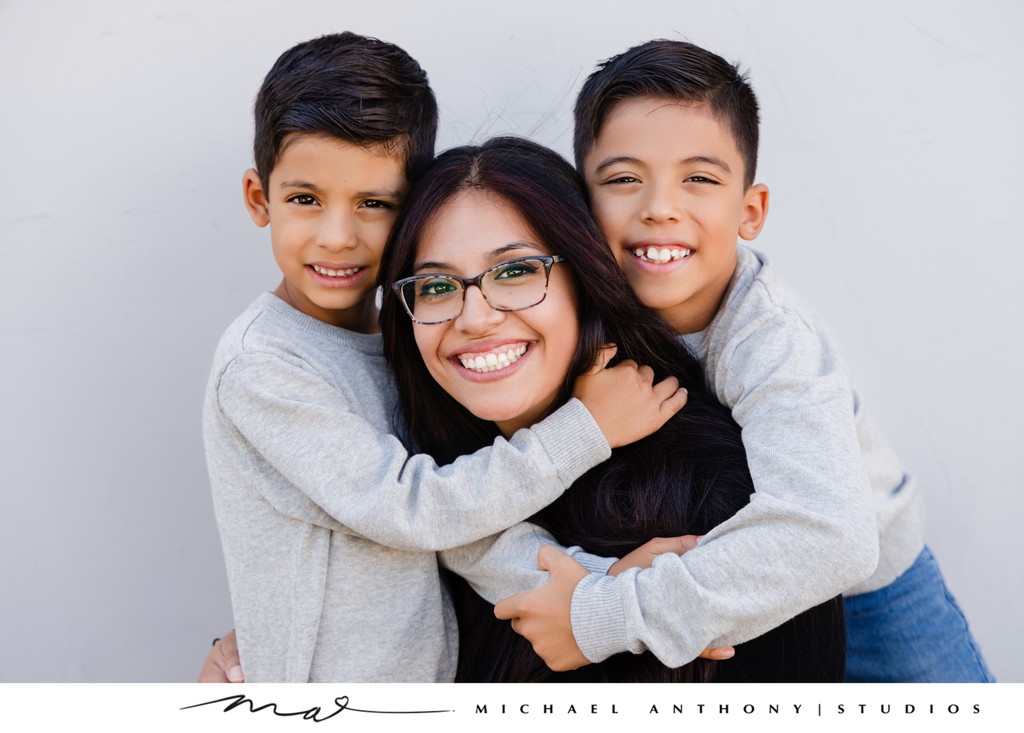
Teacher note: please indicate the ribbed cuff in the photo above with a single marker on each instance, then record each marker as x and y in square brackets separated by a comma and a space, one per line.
[593, 563]
[598, 618]
[572, 440]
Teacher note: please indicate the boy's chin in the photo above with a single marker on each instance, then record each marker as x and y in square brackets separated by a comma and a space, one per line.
[660, 297]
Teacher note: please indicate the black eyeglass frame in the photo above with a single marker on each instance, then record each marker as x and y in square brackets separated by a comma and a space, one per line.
[547, 260]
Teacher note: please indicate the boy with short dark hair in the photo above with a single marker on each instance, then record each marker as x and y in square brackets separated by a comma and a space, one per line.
[329, 526]
[666, 137]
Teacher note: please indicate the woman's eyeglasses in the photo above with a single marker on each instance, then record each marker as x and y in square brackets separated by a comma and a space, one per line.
[512, 285]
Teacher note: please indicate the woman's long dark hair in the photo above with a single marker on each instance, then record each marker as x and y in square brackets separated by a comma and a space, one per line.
[685, 479]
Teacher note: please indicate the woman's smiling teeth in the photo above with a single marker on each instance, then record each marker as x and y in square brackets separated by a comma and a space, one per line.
[349, 272]
[661, 255]
[492, 361]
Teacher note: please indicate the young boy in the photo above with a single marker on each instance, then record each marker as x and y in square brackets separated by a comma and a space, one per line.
[666, 137]
[329, 526]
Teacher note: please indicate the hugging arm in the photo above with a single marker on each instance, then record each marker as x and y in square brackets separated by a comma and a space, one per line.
[507, 563]
[806, 536]
[543, 615]
[341, 472]
[497, 567]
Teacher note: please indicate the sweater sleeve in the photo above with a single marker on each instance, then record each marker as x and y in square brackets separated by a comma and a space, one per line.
[505, 564]
[342, 473]
[807, 534]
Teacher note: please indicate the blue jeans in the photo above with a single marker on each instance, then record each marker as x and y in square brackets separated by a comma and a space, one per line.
[911, 631]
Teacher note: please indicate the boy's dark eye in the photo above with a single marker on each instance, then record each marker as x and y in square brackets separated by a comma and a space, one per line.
[302, 199]
[701, 179]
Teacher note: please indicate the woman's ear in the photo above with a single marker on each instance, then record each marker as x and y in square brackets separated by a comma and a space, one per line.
[755, 211]
[255, 198]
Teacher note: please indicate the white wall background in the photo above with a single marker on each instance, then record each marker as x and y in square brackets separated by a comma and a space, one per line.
[891, 142]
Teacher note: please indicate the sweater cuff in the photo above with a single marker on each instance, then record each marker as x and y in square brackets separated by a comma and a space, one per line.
[573, 440]
[593, 563]
[598, 617]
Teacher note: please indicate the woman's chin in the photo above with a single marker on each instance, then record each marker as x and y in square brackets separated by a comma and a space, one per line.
[509, 417]
[512, 421]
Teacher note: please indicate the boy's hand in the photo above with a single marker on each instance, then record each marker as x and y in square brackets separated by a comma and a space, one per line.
[222, 663]
[624, 401]
[644, 555]
[542, 615]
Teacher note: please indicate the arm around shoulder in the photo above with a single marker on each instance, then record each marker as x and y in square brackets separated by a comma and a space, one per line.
[317, 458]
[788, 389]
[807, 535]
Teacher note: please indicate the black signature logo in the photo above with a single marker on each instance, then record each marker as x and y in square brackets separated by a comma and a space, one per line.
[314, 713]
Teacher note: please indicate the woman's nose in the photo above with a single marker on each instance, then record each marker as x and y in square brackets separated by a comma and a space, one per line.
[477, 314]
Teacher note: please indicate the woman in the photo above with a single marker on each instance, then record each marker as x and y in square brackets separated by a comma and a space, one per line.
[503, 293]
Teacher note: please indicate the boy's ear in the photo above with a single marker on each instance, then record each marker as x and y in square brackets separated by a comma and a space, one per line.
[255, 198]
[755, 211]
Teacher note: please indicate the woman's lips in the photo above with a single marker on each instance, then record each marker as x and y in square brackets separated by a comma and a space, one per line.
[495, 362]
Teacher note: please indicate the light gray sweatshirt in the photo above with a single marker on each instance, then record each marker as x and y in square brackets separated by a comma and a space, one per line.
[329, 527]
[827, 488]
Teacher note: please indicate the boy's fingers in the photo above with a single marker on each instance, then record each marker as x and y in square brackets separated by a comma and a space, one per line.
[681, 545]
[666, 388]
[647, 374]
[507, 608]
[547, 555]
[676, 402]
[718, 653]
[229, 647]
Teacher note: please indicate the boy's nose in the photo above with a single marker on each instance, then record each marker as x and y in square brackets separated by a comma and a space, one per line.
[477, 314]
[337, 231]
[660, 205]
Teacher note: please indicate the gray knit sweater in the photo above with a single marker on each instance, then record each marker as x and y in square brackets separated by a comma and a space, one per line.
[832, 511]
[329, 526]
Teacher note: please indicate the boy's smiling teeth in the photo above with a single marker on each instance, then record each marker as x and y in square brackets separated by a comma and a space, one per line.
[493, 360]
[661, 255]
[335, 273]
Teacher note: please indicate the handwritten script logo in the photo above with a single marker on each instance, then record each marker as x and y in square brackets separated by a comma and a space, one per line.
[313, 713]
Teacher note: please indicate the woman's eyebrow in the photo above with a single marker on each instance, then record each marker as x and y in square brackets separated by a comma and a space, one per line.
[431, 265]
[512, 247]
[494, 255]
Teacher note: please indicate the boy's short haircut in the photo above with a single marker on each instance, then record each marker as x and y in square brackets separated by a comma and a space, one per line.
[360, 90]
[674, 70]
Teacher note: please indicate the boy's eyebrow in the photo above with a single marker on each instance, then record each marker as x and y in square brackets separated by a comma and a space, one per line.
[300, 184]
[494, 254]
[383, 193]
[709, 159]
[608, 162]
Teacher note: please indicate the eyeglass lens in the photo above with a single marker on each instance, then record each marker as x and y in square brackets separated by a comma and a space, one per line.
[508, 286]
